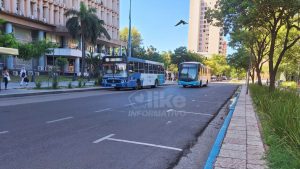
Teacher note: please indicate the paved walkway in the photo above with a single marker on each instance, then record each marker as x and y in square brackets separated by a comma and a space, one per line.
[242, 147]
[14, 89]
[15, 85]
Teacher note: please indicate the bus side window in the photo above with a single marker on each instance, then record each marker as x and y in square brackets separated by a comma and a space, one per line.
[131, 67]
[146, 67]
[160, 69]
[141, 68]
[136, 66]
[150, 68]
[155, 67]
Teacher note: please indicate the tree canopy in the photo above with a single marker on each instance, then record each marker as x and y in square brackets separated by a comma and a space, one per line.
[268, 19]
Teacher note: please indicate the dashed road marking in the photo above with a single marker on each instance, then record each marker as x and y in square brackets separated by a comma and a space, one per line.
[145, 144]
[107, 109]
[3, 132]
[186, 112]
[134, 142]
[131, 104]
[58, 120]
[103, 138]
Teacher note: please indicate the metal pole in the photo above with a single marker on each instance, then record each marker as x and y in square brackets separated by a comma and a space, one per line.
[248, 74]
[129, 32]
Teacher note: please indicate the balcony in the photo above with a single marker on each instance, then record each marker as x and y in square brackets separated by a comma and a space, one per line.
[68, 52]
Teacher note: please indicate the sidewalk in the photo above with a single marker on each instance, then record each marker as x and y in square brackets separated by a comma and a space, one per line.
[15, 90]
[242, 147]
[16, 85]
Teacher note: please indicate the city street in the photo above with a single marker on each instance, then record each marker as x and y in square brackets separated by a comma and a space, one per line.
[106, 129]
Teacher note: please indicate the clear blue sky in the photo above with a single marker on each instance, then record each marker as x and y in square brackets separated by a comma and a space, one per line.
[155, 19]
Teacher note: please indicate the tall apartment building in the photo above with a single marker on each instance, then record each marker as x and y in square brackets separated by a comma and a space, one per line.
[203, 37]
[32, 20]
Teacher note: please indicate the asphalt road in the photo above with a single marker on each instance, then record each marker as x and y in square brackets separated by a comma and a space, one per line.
[145, 129]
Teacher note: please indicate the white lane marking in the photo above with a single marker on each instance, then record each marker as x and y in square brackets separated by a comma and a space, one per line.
[145, 144]
[3, 132]
[62, 119]
[193, 100]
[204, 114]
[169, 122]
[103, 138]
[170, 110]
[107, 109]
[131, 104]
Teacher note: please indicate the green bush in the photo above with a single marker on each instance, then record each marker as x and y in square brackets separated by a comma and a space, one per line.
[79, 84]
[55, 83]
[289, 84]
[99, 80]
[38, 84]
[70, 85]
[279, 112]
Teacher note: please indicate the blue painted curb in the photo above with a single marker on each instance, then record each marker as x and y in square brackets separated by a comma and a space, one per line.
[218, 142]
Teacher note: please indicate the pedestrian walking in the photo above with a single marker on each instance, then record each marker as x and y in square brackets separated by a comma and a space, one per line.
[6, 77]
[24, 78]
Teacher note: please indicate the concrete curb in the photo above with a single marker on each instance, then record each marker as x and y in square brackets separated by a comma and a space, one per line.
[60, 91]
[51, 92]
[220, 137]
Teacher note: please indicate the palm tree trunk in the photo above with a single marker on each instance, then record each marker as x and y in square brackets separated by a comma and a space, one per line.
[83, 56]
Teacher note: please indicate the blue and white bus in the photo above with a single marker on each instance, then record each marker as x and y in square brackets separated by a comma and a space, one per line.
[122, 72]
[193, 74]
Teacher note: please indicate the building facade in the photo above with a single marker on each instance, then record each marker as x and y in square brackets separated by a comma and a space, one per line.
[33, 20]
[203, 37]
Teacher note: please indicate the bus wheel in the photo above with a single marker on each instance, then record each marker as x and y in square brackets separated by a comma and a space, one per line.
[138, 85]
[155, 84]
[117, 88]
[184, 86]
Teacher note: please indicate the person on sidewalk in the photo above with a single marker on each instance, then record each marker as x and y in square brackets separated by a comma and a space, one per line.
[6, 77]
[23, 75]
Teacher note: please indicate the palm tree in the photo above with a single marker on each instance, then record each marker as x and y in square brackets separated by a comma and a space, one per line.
[85, 24]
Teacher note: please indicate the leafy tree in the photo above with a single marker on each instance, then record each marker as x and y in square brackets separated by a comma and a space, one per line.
[218, 65]
[182, 55]
[35, 49]
[8, 40]
[136, 39]
[274, 16]
[257, 42]
[94, 62]
[61, 62]
[166, 56]
[239, 61]
[86, 25]
[291, 64]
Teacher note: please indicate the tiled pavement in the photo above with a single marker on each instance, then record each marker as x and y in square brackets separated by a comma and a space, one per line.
[242, 147]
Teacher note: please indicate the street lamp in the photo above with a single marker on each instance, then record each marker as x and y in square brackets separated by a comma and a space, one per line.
[129, 32]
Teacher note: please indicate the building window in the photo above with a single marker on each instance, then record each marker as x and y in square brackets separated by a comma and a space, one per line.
[2, 4]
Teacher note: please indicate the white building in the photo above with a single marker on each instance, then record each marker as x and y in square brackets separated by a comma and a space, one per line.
[203, 37]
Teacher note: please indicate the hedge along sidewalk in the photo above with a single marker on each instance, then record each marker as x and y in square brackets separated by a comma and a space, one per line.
[242, 147]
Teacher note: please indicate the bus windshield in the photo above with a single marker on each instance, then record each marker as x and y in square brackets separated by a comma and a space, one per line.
[116, 69]
[188, 72]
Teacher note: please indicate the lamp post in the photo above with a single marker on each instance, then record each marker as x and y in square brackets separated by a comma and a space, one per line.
[129, 32]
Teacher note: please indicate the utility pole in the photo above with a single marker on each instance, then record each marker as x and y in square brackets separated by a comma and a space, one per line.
[248, 74]
[129, 33]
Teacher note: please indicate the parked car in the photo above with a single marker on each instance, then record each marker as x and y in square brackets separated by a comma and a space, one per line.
[213, 78]
[224, 78]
